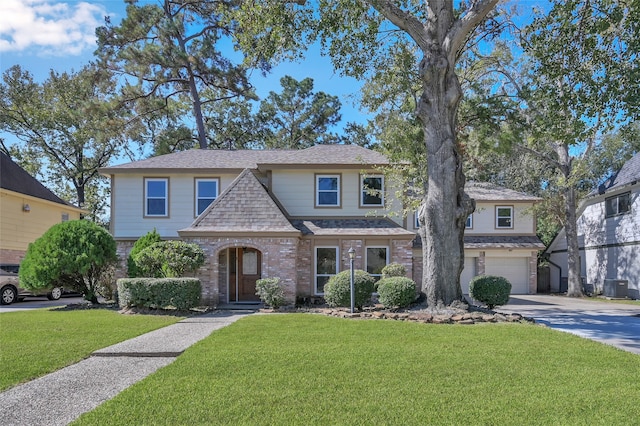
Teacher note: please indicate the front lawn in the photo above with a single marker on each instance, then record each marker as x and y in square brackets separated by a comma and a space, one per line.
[34, 343]
[309, 369]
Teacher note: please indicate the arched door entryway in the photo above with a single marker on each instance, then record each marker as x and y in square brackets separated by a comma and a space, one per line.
[245, 268]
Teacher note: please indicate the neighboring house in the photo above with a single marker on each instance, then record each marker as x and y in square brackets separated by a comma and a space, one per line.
[500, 238]
[27, 210]
[292, 214]
[608, 235]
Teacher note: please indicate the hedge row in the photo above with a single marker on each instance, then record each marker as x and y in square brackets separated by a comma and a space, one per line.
[159, 293]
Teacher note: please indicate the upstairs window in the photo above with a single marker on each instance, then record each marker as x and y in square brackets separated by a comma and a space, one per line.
[206, 193]
[620, 204]
[328, 190]
[469, 223]
[504, 217]
[372, 191]
[156, 197]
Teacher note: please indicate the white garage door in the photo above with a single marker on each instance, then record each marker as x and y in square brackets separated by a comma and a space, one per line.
[515, 269]
[467, 273]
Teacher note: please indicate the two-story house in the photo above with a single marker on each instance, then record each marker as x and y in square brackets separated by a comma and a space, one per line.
[500, 238]
[608, 236]
[27, 210]
[292, 214]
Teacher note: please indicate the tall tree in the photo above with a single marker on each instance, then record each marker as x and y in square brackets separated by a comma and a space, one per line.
[581, 80]
[172, 51]
[357, 34]
[298, 117]
[69, 126]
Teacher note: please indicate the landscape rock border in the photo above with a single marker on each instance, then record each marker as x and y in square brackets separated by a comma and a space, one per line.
[468, 318]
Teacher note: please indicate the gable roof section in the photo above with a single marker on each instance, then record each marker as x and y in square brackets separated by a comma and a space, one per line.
[628, 174]
[484, 191]
[244, 207]
[15, 178]
[207, 159]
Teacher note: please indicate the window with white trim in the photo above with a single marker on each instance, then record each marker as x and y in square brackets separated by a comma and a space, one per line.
[620, 204]
[328, 190]
[206, 193]
[469, 223]
[326, 266]
[372, 191]
[156, 197]
[417, 219]
[504, 217]
[377, 258]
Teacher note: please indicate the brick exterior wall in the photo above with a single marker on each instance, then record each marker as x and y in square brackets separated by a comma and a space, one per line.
[11, 256]
[290, 259]
[305, 268]
[279, 259]
[533, 273]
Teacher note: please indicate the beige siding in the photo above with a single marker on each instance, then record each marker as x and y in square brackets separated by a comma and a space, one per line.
[484, 219]
[128, 220]
[295, 190]
[19, 228]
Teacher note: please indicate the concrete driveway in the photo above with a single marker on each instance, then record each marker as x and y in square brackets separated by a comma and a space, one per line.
[34, 302]
[615, 324]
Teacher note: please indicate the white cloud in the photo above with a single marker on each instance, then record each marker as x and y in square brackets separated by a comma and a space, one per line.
[49, 27]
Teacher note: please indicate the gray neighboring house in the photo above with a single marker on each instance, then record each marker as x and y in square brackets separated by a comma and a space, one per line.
[608, 237]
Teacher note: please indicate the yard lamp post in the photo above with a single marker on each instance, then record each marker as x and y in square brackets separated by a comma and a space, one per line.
[352, 256]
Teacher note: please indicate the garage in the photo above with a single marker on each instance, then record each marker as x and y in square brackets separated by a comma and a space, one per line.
[515, 269]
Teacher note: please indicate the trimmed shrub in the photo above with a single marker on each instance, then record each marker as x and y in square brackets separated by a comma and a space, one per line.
[169, 259]
[270, 292]
[142, 243]
[337, 291]
[74, 254]
[396, 292]
[490, 290]
[394, 270]
[159, 293]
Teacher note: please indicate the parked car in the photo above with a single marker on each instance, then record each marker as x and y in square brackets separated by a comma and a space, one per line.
[10, 289]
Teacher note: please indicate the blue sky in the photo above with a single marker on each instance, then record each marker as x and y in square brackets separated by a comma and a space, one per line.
[40, 35]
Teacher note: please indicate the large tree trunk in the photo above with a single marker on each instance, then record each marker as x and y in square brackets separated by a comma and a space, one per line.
[446, 205]
[570, 226]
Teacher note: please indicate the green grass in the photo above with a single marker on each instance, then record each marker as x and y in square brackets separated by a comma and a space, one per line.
[34, 343]
[304, 369]
[620, 301]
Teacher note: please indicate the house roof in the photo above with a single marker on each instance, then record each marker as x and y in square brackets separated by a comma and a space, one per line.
[484, 191]
[15, 178]
[351, 226]
[206, 159]
[629, 173]
[496, 242]
[244, 207]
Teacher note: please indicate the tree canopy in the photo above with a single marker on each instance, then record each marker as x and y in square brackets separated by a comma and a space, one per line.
[70, 125]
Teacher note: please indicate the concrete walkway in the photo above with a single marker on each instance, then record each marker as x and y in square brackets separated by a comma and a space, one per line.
[614, 324]
[62, 396]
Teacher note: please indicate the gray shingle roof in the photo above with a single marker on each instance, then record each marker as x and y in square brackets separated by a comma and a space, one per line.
[245, 206]
[251, 159]
[15, 178]
[354, 226]
[496, 241]
[483, 191]
[628, 174]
